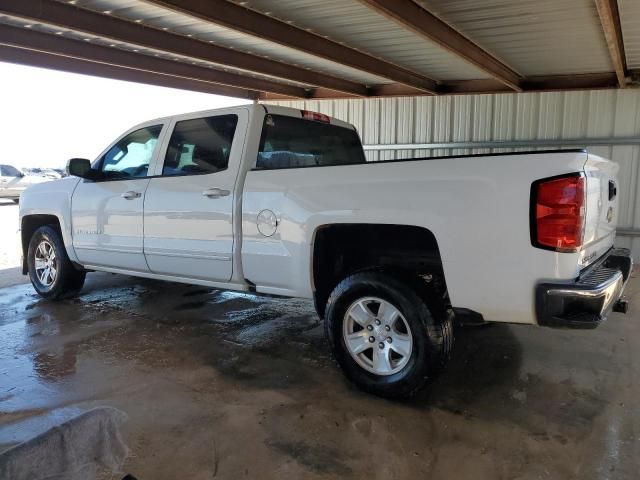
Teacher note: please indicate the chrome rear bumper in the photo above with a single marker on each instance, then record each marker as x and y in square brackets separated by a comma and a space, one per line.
[587, 301]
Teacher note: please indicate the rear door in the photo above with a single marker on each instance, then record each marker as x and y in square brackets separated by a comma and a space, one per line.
[107, 214]
[188, 212]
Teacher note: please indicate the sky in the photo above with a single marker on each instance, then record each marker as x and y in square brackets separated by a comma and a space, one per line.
[47, 117]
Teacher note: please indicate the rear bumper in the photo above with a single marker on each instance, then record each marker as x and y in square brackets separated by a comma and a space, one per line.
[587, 301]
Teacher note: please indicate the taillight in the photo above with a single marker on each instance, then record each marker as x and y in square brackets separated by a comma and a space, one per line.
[318, 117]
[558, 212]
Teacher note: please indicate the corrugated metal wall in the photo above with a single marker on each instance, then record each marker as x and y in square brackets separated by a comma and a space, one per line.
[529, 116]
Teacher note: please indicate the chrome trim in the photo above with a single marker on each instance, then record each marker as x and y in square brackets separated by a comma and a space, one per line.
[109, 249]
[196, 255]
[611, 290]
[586, 301]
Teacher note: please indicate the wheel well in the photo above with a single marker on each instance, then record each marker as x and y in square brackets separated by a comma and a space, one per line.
[342, 249]
[29, 225]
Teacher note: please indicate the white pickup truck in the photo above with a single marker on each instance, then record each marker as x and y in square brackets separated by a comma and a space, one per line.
[281, 201]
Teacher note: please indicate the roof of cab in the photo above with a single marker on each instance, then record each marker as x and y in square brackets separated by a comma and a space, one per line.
[271, 109]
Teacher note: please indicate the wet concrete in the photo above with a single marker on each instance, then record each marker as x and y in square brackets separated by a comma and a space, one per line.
[224, 385]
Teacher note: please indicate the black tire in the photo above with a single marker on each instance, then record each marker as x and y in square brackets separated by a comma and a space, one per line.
[16, 200]
[430, 321]
[68, 280]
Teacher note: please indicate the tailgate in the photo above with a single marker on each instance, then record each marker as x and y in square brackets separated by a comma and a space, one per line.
[601, 215]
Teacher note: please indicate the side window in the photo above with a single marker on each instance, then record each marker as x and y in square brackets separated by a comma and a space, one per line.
[130, 157]
[201, 145]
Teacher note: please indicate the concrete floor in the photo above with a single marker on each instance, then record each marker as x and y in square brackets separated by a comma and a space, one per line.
[243, 386]
[224, 385]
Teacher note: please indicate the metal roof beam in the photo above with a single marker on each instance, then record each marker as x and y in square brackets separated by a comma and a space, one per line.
[547, 83]
[81, 20]
[610, 20]
[33, 58]
[419, 20]
[586, 81]
[43, 42]
[245, 20]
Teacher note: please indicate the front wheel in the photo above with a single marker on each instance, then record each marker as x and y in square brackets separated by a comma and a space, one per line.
[389, 335]
[51, 272]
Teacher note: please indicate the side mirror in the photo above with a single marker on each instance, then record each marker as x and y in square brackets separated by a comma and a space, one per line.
[81, 167]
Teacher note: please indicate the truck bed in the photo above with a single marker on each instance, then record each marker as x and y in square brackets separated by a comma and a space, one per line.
[476, 206]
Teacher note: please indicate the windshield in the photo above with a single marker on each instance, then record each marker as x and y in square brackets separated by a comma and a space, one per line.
[289, 142]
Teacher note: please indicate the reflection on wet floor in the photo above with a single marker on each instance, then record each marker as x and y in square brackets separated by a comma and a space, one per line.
[247, 383]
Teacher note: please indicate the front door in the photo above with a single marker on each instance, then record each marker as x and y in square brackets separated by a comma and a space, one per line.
[188, 214]
[107, 214]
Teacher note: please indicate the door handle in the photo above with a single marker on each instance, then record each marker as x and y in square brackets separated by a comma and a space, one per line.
[216, 193]
[130, 195]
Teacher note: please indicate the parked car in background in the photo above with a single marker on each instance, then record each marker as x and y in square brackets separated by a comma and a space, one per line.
[13, 182]
[50, 173]
[281, 201]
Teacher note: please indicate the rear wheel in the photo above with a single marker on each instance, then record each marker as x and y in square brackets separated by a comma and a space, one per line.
[51, 272]
[387, 333]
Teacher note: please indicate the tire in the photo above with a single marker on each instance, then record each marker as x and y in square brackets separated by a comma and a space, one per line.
[64, 280]
[422, 321]
[16, 201]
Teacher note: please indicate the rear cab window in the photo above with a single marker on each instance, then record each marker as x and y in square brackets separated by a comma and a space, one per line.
[289, 142]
